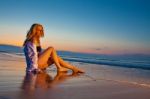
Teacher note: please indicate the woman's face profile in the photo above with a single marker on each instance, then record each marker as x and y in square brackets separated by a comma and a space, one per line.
[39, 30]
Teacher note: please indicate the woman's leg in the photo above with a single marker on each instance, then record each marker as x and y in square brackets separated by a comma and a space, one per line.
[69, 66]
[44, 57]
[63, 64]
[47, 64]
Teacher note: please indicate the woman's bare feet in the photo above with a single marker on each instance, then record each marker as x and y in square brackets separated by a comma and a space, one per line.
[77, 70]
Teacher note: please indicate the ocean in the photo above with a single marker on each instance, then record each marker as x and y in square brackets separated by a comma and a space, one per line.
[127, 60]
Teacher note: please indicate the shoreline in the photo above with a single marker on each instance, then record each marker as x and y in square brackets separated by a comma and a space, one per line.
[99, 81]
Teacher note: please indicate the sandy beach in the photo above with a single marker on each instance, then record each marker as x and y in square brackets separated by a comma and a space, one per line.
[99, 82]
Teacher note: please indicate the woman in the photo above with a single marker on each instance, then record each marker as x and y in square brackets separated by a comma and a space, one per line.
[38, 60]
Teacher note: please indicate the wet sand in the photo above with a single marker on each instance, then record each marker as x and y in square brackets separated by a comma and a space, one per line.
[99, 82]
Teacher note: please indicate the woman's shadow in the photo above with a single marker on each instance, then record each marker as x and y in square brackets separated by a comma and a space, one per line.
[33, 81]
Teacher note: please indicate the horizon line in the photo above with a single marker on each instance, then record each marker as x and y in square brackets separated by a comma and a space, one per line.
[86, 52]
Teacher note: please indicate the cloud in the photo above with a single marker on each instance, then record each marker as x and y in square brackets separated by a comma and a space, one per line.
[99, 49]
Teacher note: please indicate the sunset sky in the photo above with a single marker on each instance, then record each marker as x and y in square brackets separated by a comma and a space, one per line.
[91, 26]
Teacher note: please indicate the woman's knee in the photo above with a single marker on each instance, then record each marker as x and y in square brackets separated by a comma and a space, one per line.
[51, 48]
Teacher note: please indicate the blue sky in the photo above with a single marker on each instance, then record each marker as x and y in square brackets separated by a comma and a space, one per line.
[93, 26]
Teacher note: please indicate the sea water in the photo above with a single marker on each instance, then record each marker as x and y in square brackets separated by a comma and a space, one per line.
[127, 60]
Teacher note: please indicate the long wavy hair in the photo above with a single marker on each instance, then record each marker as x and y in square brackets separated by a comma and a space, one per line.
[32, 33]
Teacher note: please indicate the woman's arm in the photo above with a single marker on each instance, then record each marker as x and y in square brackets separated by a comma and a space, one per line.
[31, 56]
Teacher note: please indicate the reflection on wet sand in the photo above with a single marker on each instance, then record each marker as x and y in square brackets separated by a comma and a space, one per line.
[43, 80]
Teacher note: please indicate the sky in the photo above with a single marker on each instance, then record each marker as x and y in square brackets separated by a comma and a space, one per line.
[87, 26]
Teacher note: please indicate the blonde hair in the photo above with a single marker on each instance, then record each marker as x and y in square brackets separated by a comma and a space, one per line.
[32, 33]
